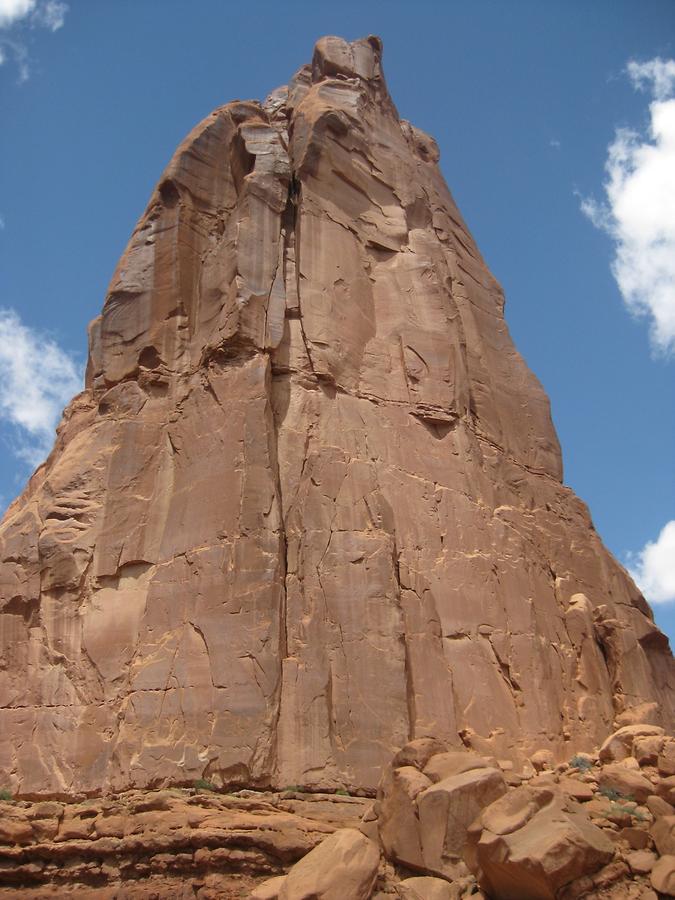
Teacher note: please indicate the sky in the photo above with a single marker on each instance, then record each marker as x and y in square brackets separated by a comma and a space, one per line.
[556, 125]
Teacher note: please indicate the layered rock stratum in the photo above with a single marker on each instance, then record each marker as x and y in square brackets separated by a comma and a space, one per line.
[309, 505]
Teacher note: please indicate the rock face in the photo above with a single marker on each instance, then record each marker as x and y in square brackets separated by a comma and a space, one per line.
[309, 505]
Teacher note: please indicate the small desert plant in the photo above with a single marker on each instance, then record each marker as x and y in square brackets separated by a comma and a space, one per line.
[342, 792]
[627, 808]
[620, 803]
[5, 794]
[201, 784]
[581, 763]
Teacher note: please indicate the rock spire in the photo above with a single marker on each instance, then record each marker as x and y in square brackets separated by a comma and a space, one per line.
[309, 505]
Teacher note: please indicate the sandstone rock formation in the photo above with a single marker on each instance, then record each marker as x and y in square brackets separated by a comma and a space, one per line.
[168, 844]
[309, 504]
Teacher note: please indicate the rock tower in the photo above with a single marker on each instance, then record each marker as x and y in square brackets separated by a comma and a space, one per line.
[309, 505]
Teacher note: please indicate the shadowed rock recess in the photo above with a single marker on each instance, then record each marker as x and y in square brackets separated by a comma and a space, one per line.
[309, 506]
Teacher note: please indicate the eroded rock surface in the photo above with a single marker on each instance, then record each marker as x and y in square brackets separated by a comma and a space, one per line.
[170, 843]
[309, 505]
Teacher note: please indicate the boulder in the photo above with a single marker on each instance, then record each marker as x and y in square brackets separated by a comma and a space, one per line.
[628, 784]
[646, 750]
[666, 789]
[343, 865]
[418, 752]
[579, 790]
[544, 779]
[514, 810]
[528, 846]
[619, 745]
[663, 835]
[369, 825]
[657, 806]
[398, 820]
[542, 759]
[444, 765]
[636, 838]
[268, 890]
[666, 759]
[641, 862]
[427, 888]
[662, 876]
[447, 809]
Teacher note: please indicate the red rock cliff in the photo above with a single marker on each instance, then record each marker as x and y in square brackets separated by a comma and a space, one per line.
[309, 505]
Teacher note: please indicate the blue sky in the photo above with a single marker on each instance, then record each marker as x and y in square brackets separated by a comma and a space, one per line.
[524, 99]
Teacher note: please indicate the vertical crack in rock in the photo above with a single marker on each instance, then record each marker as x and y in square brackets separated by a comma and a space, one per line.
[409, 684]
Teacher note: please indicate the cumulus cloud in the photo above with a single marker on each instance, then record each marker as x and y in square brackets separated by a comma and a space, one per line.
[639, 209]
[46, 13]
[16, 16]
[653, 569]
[12, 11]
[37, 379]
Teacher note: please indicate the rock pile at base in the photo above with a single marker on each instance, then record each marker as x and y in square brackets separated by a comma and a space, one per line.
[544, 832]
[551, 832]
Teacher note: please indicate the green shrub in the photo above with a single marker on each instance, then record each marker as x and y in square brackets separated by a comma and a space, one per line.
[201, 784]
[5, 794]
[342, 792]
[581, 763]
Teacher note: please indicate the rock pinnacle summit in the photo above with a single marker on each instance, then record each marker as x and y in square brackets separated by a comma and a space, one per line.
[309, 506]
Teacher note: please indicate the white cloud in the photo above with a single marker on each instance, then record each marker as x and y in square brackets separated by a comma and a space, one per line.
[657, 75]
[45, 13]
[37, 379]
[653, 569]
[639, 210]
[12, 11]
[50, 14]
[14, 15]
